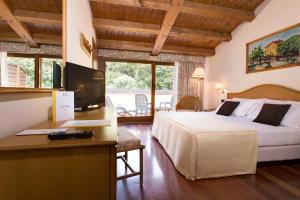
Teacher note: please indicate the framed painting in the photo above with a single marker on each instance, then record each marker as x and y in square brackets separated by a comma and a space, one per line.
[274, 51]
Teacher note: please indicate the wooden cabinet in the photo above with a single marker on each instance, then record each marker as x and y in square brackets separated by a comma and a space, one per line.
[35, 168]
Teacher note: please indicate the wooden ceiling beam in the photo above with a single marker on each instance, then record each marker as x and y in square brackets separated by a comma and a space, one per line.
[167, 25]
[138, 27]
[39, 38]
[192, 8]
[138, 3]
[126, 26]
[208, 10]
[199, 34]
[48, 39]
[20, 28]
[142, 46]
[38, 17]
[10, 37]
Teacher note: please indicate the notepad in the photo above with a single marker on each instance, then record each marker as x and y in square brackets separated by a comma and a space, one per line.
[86, 123]
[40, 131]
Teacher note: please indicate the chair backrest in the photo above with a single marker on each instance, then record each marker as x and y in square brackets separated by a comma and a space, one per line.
[141, 101]
[188, 103]
[108, 102]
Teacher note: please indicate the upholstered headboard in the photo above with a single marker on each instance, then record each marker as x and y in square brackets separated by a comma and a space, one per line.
[269, 91]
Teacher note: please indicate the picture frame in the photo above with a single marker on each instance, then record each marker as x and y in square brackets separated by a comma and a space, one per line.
[277, 50]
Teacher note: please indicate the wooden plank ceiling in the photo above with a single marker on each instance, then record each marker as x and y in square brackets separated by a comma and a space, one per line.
[31, 21]
[194, 27]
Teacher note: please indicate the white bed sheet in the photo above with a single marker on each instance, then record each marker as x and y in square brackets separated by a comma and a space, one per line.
[203, 146]
[267, 135]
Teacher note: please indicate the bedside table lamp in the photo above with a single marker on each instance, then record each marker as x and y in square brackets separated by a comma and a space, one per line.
[221, 91]
[199, 74]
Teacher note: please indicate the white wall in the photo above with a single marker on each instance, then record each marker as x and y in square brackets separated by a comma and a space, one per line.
[79, 20]
[17, 115]
[228, 66]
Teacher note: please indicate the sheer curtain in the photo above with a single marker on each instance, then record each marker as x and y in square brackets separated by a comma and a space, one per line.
[188, 86]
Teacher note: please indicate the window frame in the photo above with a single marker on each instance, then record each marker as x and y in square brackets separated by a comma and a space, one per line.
[40, 67]
[37, 72]
[153, 87]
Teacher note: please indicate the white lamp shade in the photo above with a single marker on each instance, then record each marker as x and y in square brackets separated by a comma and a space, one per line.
[219, 86]
[198, 73]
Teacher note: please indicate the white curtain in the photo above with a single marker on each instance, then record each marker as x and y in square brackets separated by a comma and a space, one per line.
[188, 86]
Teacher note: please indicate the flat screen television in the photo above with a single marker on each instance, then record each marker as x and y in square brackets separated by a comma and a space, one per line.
[56, 75]
[88, 85]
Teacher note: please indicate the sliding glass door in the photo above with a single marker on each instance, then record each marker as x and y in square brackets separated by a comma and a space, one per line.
[165, 87]
[136, 89]
[128, 88]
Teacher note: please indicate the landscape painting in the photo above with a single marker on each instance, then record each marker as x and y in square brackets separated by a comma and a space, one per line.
[274, 51]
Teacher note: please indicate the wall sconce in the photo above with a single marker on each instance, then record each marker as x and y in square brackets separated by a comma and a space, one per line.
[221, 91]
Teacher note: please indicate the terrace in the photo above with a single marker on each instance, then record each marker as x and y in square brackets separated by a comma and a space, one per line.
[128, 87]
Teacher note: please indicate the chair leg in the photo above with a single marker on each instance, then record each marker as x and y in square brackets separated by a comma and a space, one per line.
[126, 158]
[141, 168]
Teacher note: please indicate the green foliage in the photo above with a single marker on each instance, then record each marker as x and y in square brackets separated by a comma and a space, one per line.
[289, 46]
[257, 53]
[47, 71]
[164, 77]
[123, 82]
[27, 64]
[121, 75]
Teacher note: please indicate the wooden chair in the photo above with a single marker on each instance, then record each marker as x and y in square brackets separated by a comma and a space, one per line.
[128, 142]
[188, 103]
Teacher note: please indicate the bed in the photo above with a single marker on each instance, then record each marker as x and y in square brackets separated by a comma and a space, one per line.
[234, 144]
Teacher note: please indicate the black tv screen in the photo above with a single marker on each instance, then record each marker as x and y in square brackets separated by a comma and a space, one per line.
[56, 75]
[88, 85]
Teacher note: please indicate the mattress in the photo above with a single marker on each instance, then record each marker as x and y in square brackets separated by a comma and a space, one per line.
[267, 135]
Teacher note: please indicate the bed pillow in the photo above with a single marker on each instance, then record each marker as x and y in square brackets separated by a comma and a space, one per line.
[292, 117]
[253, 112]
[244, 107]
[272, 114]
[227, 108]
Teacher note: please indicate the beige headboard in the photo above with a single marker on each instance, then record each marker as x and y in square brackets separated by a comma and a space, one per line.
[269, 91]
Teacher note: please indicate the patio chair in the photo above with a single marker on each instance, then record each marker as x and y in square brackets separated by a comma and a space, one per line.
[121, 111]
[167, 105]
[141, 105]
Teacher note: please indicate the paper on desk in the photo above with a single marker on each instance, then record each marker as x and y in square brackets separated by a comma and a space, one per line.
[86, 123]
[41, 131]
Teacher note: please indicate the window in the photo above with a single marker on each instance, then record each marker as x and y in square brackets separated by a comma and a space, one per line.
[128, 88]
[165, 90]
[27, 70]
[46, 71]
[20, 72]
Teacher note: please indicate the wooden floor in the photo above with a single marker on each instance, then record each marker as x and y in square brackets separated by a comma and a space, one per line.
[277, 180]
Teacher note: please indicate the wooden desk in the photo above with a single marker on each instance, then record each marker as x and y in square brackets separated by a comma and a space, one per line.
[35, 168]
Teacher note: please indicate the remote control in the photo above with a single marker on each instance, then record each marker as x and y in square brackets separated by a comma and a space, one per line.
[70, 135]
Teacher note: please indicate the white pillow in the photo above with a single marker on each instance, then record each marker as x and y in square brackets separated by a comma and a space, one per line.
[292, 117]
[255, 109]
[241, 99]
[244, 107]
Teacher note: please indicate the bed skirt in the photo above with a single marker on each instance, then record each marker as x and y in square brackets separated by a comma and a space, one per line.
[206, 154]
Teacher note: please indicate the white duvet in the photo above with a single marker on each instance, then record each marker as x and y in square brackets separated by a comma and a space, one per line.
[203, 145]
